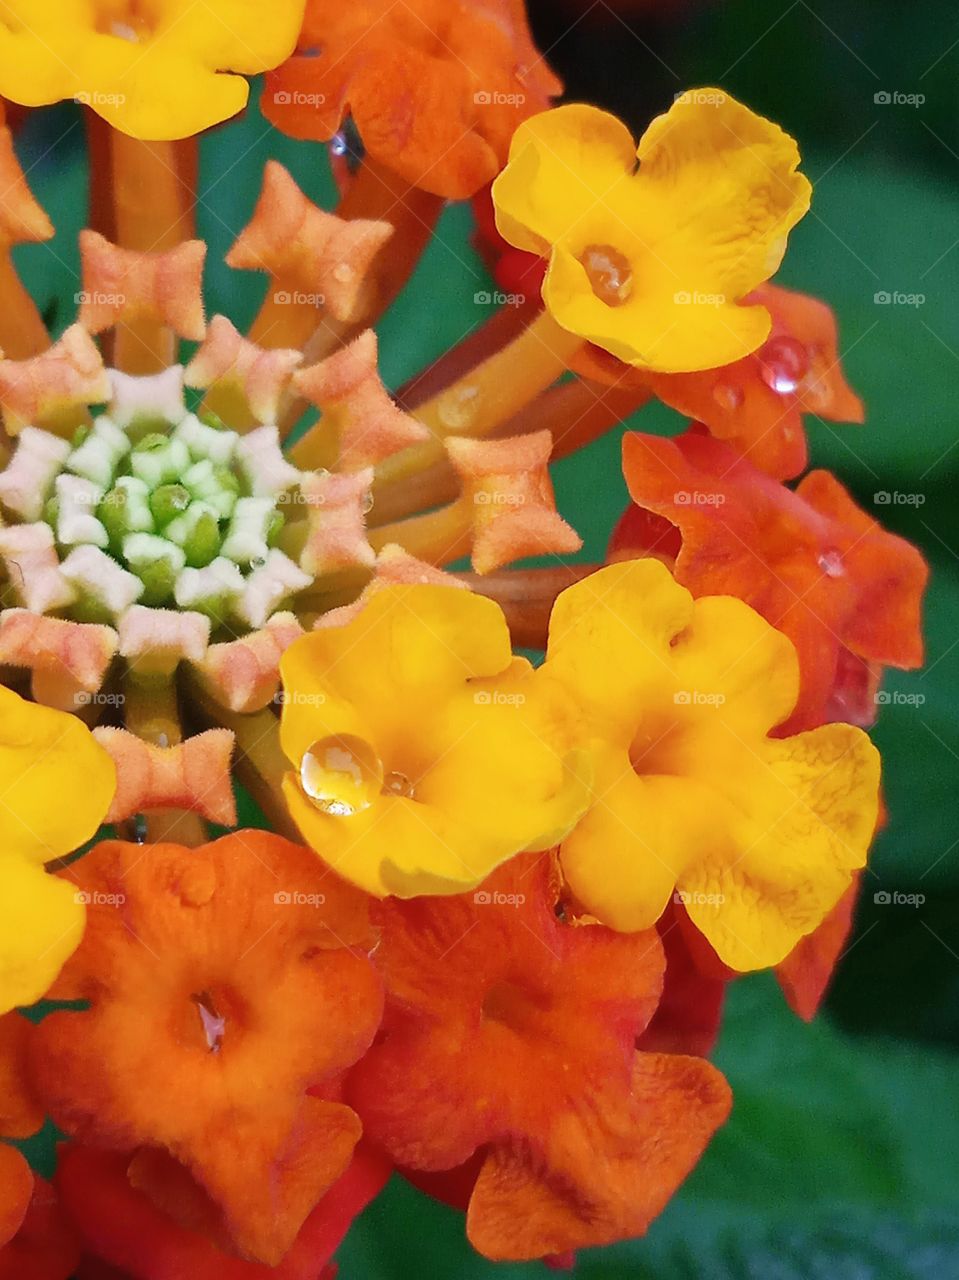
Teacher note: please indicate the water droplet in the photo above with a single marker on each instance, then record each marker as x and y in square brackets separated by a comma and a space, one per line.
[343, 273]
[212, 1023]
[339, 143]
[728, 396]
[783, 362]
[367, 504]
[398, 784]
[341, 774]
[831, 563]
[458, 408]
[610, 273]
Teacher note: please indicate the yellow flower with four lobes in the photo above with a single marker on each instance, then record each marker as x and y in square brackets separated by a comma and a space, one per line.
[652, 248]
[757, 836]
[56, 784]
[155, 69]
[423, 753]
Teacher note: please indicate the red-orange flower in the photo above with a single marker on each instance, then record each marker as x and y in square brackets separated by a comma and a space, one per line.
[120, 1225]
[222, 987]
[435, 87]
[757, 404]
[511, 1031]
[34, 1240]
[815, 565]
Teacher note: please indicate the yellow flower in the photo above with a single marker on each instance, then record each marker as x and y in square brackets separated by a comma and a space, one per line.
[652, 262]
[757, 836]
[56, 784]
[422, 750]
[155, 69]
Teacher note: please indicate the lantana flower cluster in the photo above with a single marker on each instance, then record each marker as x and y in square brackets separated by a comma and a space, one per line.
[482, 939]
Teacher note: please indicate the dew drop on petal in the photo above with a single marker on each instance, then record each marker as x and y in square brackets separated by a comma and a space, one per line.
[339, 143]
[367, 504]
[783, 363]
[398, 784]
[610, 273]
[341, 774]
[728, 396]
[831, 563]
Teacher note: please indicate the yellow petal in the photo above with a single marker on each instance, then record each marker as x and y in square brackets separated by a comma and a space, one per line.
[41, 924]
[562, 164]
[158, 74]
[697, 227]
[56, 781]
[423, 676]
[759, 836]
[812, 807]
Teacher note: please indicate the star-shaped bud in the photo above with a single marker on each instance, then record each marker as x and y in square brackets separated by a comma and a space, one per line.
[30, 556]
[244, 674]
[80, 651]
[513, 511]
[157, 395]
[26, 483]
[193, 775]
[53, 389]
[246, 381]
[357, 410]
[158, 639]
[122, 285]
[336, 521]
[314, 258]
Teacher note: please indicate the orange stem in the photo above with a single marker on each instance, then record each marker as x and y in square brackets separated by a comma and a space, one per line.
[142, 197]
[575, 413]
[22, 331]
[151, 711]
[437, 537]
[526, 597]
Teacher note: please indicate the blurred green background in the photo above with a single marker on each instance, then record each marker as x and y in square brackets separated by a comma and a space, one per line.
[841, 1158]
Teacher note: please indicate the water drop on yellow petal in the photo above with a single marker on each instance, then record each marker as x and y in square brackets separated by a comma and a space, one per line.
[341, 774]
[398, 784]
[610, 273]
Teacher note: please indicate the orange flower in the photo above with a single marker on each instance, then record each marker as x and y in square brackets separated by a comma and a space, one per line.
[811, 562]
[435, 87]
[513, 1032]
[221, 988]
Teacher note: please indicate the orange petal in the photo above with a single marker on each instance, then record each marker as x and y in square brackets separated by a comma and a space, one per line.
[805, 974]
[225, 951]
[436, 90]
[510, 1032]
[811, 562]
